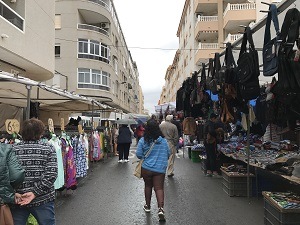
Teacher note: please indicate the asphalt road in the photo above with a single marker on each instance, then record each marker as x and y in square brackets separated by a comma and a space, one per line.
[111, 195]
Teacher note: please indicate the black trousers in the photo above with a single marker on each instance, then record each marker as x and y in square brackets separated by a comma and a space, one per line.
[123, 149]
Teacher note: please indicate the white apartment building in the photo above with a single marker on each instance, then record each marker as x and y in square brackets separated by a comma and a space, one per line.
[204, 27]
[27, 38]
[91, 55]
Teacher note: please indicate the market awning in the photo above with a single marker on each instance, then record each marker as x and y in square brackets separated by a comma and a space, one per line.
[14, 91]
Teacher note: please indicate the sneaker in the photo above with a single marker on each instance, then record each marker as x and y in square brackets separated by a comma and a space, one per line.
[120, 161]
[146, 208]
[171, 175]
[208, 175]
[217, 176]
[126, 160]
[161, 214]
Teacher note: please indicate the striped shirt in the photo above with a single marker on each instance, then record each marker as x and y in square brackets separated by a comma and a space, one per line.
[157, 161]
[39, 161]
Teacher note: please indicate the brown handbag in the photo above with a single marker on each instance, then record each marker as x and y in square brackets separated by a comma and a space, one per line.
[5, 215]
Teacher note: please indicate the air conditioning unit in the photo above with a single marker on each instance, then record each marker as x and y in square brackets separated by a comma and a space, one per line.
[104, 25]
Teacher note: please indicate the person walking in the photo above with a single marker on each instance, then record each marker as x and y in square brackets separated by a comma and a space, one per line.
[170, 133]
[139, 132]
[155, 165]
[12, 175]
[210, 144]
[124, 141]
[39, 161]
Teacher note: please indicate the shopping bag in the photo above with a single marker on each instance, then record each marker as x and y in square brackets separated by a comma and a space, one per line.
[138, 169]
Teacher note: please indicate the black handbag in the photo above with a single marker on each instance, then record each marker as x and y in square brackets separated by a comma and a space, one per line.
[214, 83]
[248, 68]
[230, 76]
[289, 66]
[270, 48]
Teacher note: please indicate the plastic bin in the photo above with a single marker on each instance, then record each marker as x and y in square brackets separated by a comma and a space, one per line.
[235, 184]
[195, 156]
[275, 215]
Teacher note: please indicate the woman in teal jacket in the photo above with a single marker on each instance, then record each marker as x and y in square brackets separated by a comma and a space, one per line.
[11, 174]
[155, 165]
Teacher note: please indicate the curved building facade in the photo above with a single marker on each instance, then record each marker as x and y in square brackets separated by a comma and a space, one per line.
[91, 55]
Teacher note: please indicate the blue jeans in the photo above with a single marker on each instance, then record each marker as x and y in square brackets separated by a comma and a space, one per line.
[44, 214]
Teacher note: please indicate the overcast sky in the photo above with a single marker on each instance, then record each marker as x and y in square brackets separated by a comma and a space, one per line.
[150, 24]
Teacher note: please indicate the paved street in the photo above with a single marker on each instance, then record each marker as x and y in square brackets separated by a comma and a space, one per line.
[111, 195]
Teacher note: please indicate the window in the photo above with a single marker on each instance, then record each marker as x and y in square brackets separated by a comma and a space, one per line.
[83, 46]
[57, 50]
[57, 21]
[93, 50]
[93, 79]
[115, 64]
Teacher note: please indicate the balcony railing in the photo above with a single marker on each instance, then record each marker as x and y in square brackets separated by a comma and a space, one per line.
[102, 3]
[242, 6]
[11, 16]
[207, 18]
[208, 46]
[232, 37]
[93, 28]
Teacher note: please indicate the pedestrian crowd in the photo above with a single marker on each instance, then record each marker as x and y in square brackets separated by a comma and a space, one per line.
[28, 168]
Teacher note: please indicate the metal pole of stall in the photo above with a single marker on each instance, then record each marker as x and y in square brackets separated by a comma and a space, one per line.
[28, 87]
[248, 153]
[92, 135]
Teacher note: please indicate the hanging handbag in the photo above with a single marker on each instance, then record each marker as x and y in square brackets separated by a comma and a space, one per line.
[231, 67]
[138, 169]
[5, 215]
[270, 48]
[288, 58]
[248, 68]
[209, 72]
[213, 85]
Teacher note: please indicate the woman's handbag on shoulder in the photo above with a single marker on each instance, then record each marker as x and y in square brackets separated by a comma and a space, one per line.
[5, 215]
[138, 169]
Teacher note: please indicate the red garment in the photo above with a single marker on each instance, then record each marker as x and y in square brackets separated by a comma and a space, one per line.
[140, 131]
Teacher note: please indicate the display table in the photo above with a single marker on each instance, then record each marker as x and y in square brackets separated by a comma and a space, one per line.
[281, 208]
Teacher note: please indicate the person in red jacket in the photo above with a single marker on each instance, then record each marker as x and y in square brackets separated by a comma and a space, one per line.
[139, 132]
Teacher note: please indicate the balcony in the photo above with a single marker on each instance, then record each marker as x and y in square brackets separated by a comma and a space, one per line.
[205, 5]
[206, 27]
[238, 14]
[11, 16]
[93, 28]
[104, 3]
[206, 51]
[232, 37]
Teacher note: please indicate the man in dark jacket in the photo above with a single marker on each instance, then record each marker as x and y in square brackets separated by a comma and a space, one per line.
[124, 140]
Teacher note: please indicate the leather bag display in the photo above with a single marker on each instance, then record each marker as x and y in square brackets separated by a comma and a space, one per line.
[288, 58]
[270, 48]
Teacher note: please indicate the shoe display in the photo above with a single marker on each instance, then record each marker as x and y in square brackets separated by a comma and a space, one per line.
[161, 214]
[146, 208]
